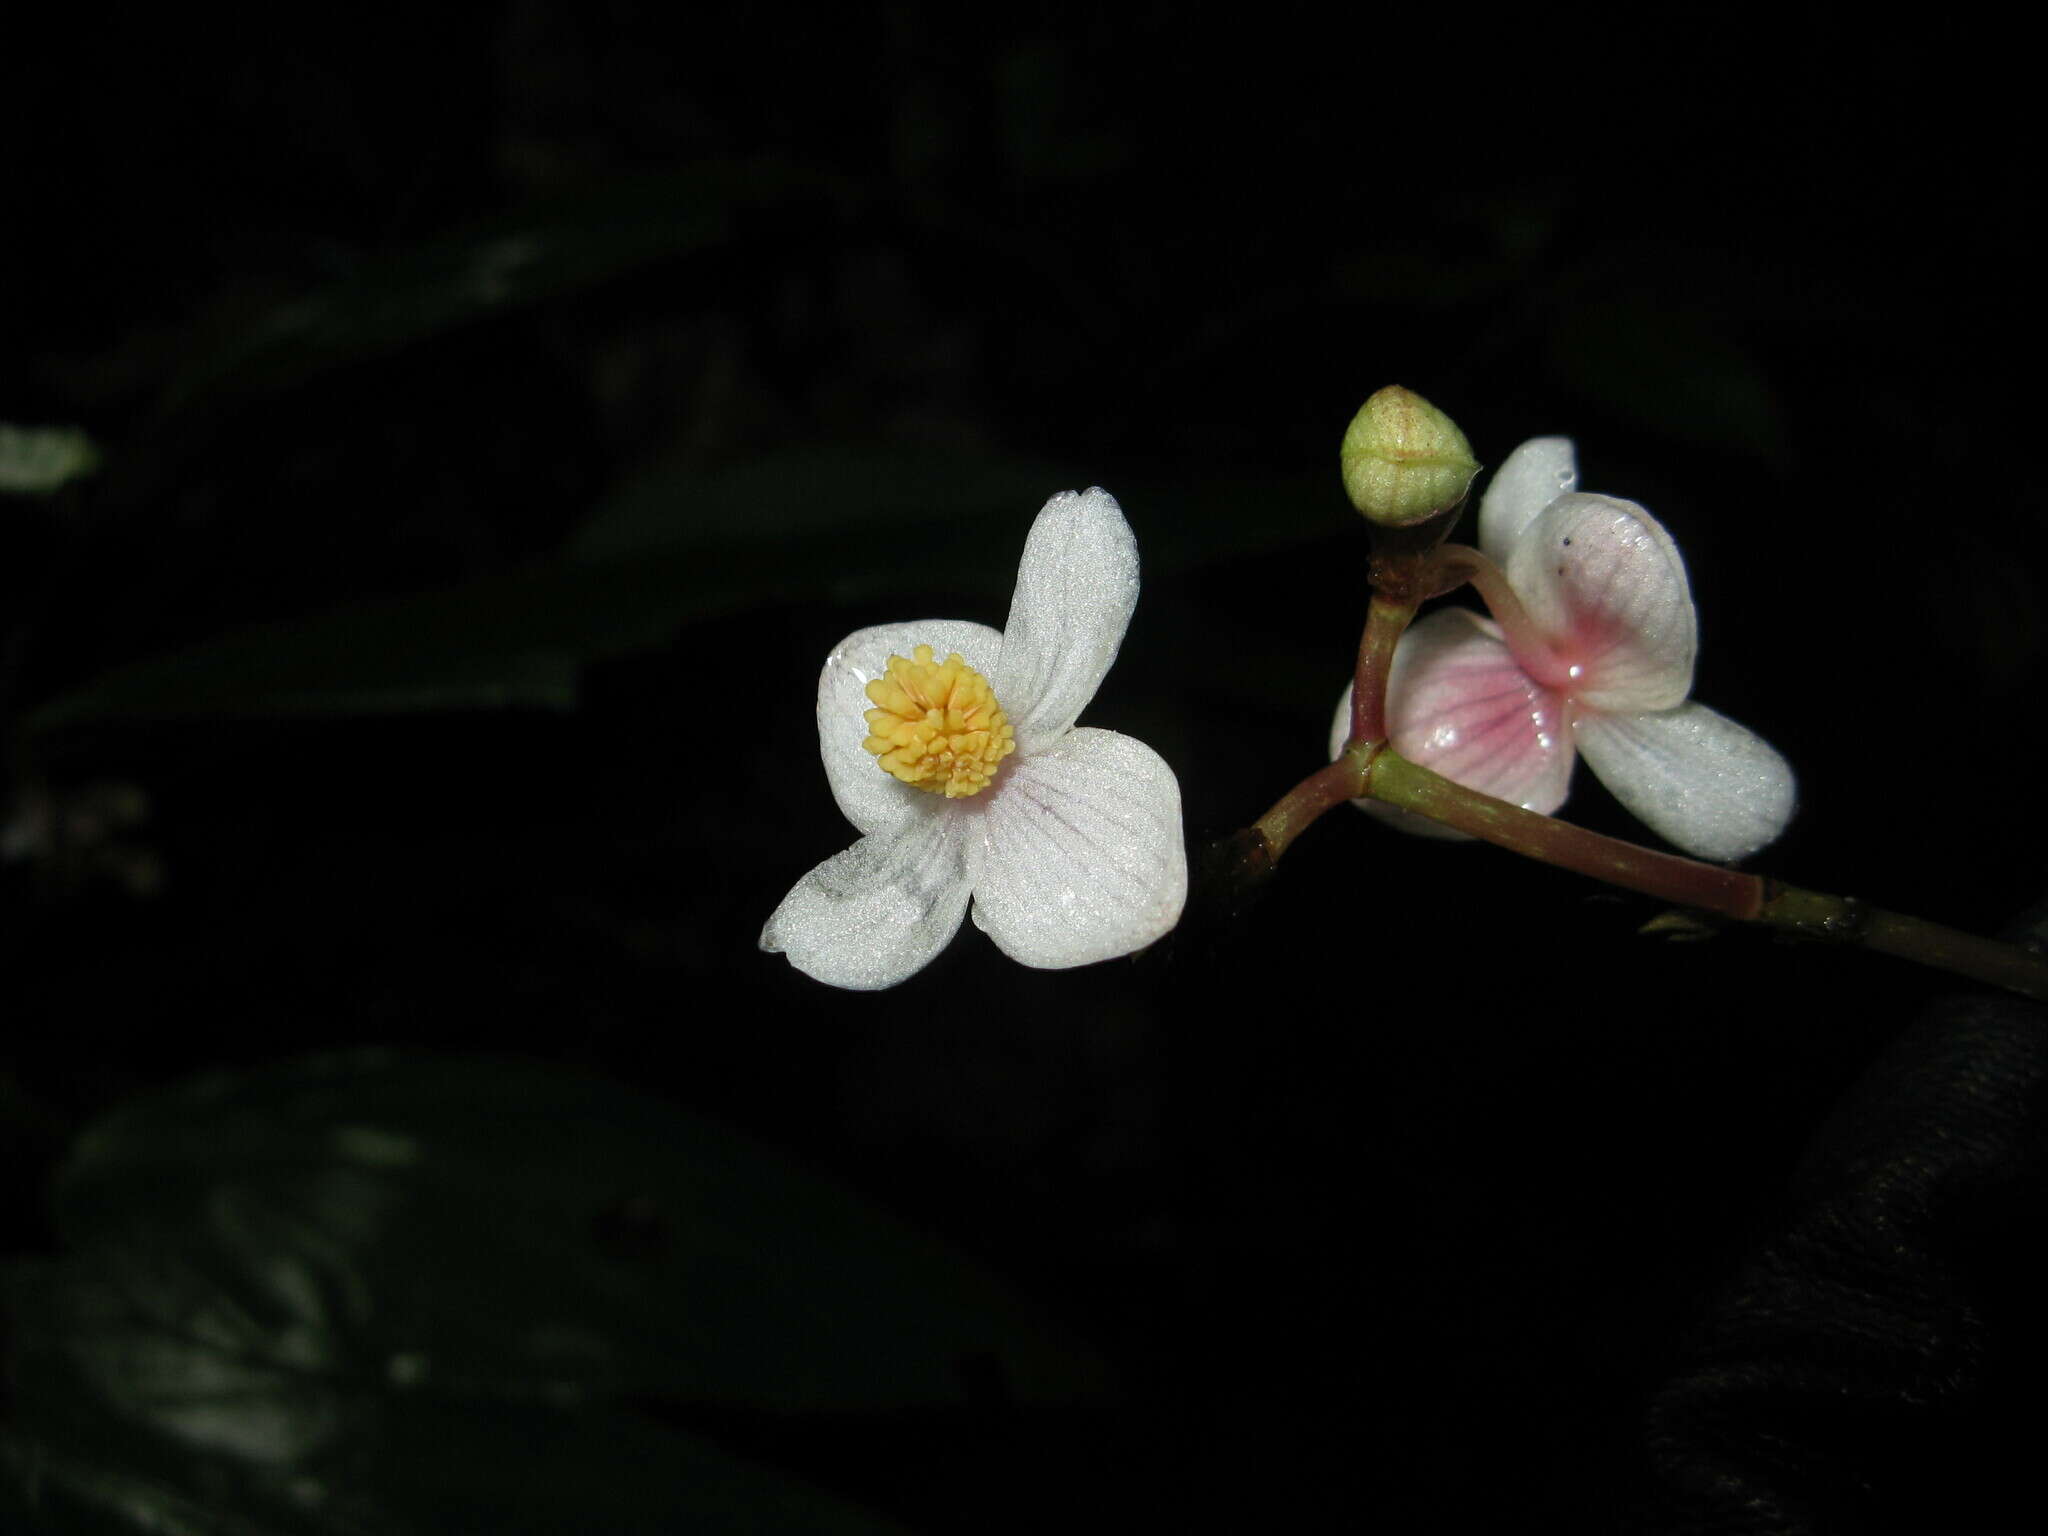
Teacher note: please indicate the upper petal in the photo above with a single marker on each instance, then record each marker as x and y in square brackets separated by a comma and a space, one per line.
[1534, 476]
[1083, 855]
[877, 913]
[1696, 778]
[1604, 583]
[1459, 704]
[1076, 586]
[866, 792]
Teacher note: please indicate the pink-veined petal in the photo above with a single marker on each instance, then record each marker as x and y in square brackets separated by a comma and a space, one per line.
[876, 914]
[869, 795]
[1534, 476]
[1083, 858]
[1076, 587]
[1695, 778]
[1393, 815]
[1459, 704]
[1604, 583]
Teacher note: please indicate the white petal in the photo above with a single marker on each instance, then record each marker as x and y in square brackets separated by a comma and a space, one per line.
[1604, 582]
[877, 913]
[1076, 586]
[1696, 778]
[1460, 705]
[869, 795]
[1534, 476]
[1084, 859]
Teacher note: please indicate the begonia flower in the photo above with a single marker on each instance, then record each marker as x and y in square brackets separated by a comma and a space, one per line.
[952, 749]
[1599, 662]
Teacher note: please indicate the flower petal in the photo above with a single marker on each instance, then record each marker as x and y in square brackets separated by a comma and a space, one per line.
[869, 917]
[1604, 582]
[1460, 705]
[1534, 476]
[1076, 586]
[1393, 815]
[1694, 777]
[1084, 859]
[865, 790]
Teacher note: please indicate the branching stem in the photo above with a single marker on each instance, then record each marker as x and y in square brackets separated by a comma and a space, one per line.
[1369, 768]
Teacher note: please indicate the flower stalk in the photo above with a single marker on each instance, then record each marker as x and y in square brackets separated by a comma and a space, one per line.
[1666, 876]
[1292, 813]
[1456, 564]
[1845, 920]
[1384, 621]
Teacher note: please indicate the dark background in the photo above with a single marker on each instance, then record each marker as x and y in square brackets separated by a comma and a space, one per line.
[500, 420]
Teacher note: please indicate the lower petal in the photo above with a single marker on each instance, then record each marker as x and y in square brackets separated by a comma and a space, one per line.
[868, 918]
[1695, 778]
[1460, 705]
[1083, 857]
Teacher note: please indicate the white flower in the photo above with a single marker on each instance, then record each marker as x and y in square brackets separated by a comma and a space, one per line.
[952, 748]
[1600, 659]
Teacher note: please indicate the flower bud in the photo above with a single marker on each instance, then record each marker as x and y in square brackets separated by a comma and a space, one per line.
[1404, 460]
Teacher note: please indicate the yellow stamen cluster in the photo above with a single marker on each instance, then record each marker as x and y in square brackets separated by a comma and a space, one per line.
[937, 725]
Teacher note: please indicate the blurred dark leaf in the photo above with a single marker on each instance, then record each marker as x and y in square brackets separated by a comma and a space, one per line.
[487, 645]
[815, 497]
[1668, 366]
[1473, 244]
[514, 640]
[1054, 126]
[680, 545]
[427, 1468]
[527, 1231]
[393, 300]
[39, 461]
[290, 1285]
[42, 1489]
[862, 519]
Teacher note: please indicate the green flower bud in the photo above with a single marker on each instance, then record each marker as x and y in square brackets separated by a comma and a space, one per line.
[1404, 460]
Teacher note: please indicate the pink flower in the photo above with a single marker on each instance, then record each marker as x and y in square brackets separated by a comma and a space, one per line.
[1598, 661]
